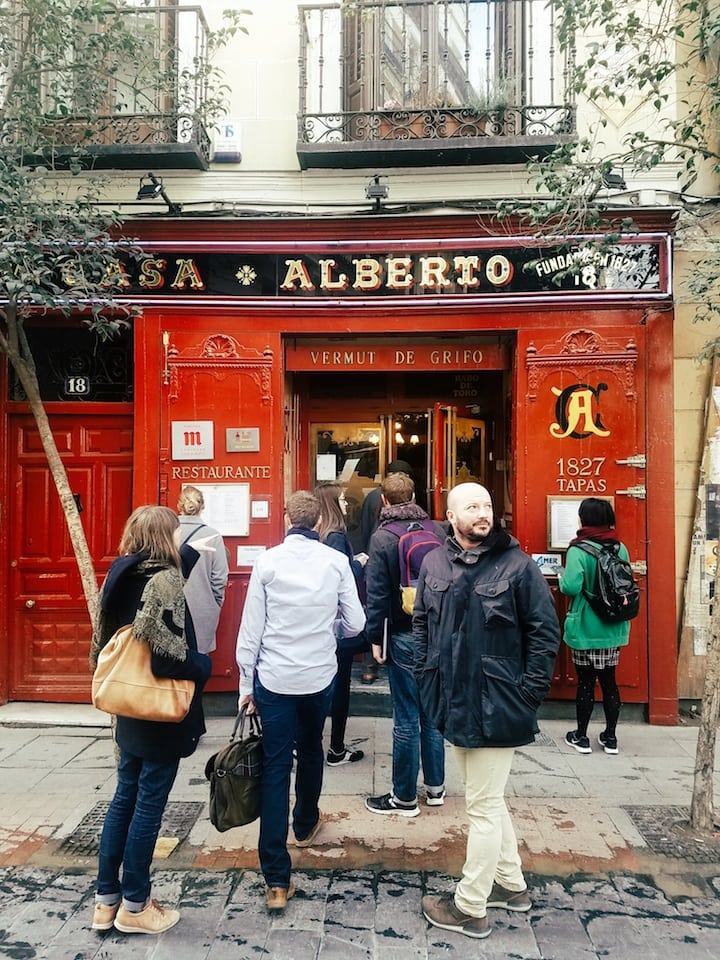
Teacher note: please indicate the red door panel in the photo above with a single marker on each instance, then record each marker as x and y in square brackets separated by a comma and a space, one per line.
[48, 619]
[580, 405]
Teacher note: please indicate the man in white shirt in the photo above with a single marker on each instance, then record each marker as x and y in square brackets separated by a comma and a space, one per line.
[286, 652]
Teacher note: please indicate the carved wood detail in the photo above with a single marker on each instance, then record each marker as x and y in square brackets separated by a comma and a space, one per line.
[221, 356]
[583, 348]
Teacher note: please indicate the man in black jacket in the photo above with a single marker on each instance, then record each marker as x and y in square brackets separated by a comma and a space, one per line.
[486, 637]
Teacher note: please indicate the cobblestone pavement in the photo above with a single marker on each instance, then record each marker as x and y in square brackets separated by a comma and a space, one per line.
[613, 871]
[348, 914]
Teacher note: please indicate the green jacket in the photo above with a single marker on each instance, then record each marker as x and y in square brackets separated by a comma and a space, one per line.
[584, 630]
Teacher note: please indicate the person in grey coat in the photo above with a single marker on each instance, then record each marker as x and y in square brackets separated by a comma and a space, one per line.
[487, 635]
[205, 586]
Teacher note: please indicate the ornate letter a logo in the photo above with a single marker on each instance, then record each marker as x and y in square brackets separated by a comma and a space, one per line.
[576, 412]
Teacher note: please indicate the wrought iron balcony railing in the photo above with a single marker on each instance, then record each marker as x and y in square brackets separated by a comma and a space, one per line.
[439, 81]
[147, 104]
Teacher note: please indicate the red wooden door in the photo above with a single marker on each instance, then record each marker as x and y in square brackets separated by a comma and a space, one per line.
[580, 402]
[48, 618]
[223, 392]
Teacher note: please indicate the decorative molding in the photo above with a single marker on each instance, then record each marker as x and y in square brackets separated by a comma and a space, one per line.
[583, 348]
[221, 355]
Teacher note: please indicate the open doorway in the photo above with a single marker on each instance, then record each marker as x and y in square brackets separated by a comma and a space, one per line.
[449, 427]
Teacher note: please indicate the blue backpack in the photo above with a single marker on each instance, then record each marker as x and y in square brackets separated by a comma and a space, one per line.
[415, 540]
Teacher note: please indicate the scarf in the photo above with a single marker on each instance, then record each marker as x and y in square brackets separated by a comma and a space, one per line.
[160, 618]
[600, 534]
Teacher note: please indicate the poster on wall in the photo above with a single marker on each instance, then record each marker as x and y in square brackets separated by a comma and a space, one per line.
[227, 507]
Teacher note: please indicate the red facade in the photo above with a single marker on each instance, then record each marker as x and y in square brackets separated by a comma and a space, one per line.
[273, 354]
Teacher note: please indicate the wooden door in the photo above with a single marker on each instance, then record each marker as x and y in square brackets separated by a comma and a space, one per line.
[581, 413]
[48, 619]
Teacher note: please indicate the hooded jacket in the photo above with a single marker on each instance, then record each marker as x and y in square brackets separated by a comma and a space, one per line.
[487, 636]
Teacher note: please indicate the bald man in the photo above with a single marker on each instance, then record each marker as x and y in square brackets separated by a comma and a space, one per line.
[486, 636]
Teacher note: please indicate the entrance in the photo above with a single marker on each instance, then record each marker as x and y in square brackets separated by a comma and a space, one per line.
[48, 619]
[357, 423]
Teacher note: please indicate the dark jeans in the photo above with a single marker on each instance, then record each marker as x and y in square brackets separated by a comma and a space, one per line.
[289, 722]
[415, 739]
[341, 699]
[131, 828]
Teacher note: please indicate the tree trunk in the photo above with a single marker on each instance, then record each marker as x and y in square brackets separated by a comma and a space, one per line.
[701, 805]
[88, 578]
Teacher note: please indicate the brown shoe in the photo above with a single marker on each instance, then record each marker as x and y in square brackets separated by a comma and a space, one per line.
[516, 900]
[104, 915]
[442, 912]
[276, 898]
[310, 838]
[153, 919]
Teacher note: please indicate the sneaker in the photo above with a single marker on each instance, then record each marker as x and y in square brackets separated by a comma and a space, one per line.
[344, 756]
[516, 900]
[276, 898]
[310, 838]
[609, 744]
[104, 915]
[581, 744]
[389, 804]
[153, 919]
[435, 798]
[442, 912]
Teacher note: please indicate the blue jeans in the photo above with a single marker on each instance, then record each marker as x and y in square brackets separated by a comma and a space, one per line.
[131, 828]
[414, 737]
[289, 722]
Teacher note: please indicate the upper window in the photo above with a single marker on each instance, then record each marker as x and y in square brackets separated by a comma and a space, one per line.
[424, 69]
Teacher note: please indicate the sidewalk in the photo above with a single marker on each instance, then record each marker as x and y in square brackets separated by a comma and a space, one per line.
[598, 834]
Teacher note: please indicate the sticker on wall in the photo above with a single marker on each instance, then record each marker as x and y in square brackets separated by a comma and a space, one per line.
[192, 439]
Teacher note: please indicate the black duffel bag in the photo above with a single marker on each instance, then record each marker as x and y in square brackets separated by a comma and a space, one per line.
[235, 775]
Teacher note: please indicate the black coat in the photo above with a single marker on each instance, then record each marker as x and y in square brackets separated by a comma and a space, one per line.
[487, 637]
[149, 739]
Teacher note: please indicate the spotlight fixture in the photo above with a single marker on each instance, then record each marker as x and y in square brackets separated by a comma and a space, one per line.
[614, 181]
[151, 187]
[377, 191]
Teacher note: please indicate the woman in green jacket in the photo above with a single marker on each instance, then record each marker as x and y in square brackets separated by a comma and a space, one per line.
[595, 643]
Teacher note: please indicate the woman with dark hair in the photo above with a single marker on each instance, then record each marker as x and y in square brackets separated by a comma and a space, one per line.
[595, 643]
[332, 530]
[144, 587]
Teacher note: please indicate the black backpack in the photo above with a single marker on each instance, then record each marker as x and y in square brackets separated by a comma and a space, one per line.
[616, 595]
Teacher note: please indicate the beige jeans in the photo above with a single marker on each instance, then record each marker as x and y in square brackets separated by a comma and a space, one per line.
[492, 850]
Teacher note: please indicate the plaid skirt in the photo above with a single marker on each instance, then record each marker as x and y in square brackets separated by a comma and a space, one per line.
[598, 659]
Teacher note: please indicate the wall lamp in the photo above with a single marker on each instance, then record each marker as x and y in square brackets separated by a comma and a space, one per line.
[377, 191]
[614, 181]
[151, 187]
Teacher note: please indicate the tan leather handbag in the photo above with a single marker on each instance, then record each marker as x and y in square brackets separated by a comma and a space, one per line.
[124, 684]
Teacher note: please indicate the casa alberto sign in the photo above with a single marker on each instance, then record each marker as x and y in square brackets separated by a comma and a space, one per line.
[348, 273]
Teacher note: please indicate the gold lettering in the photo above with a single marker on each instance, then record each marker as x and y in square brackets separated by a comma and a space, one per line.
[151, 274]
[326, 281]
[367, 274]
[116, 275]
[465, 268]
[499, 270]
[399, 276]
[187, 273]
[434, 272]
[296, 273]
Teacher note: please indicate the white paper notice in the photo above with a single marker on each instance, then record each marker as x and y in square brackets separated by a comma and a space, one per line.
[227, 507]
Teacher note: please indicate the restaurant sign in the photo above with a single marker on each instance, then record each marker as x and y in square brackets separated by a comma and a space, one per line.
[627, 267]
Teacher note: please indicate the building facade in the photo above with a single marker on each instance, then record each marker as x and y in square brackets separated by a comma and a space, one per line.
[327, 288]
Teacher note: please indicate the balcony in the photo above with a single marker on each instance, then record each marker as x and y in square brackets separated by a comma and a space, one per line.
[149, 110]
[431, 83]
